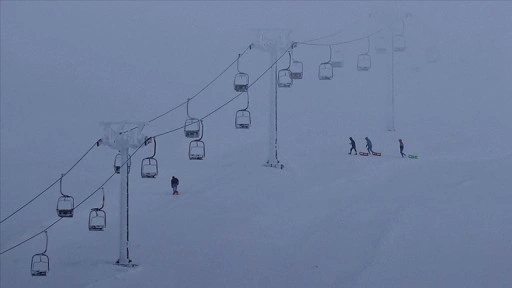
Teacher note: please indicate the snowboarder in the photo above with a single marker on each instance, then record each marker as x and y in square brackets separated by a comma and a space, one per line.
[369, 145]
[353, 146]
[174, 184]
[401, 147]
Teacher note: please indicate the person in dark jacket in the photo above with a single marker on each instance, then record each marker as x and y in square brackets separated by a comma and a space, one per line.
[401, 147]
[369, 145]
[174, 184]
[353, 146]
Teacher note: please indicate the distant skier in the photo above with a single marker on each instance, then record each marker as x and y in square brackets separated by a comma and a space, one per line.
[174, 184]
[369, 145]
[353, 146]
[401, 147]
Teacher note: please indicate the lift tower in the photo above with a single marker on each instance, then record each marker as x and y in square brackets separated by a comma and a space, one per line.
[274, 42]
[121, 136]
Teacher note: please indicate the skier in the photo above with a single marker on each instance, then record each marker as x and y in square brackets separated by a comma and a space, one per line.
[401, 147]
[353, 146]
[369, 145]
[174, 185]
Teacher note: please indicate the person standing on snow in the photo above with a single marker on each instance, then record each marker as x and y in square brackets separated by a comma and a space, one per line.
[369, 145]
[174, 184]
[401, 147]
[353, 146]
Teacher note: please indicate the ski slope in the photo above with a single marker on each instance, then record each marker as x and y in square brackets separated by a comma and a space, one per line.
[328, 219]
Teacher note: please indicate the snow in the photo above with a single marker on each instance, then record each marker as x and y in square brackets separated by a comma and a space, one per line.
[328, 219]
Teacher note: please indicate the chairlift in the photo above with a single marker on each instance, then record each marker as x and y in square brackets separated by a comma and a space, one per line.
[65, 203]
[398, 43]
[192, 126]
[196, 150]
[118, 163]
[296, 66]
[243, 117]
[284, 76]
[325, 71]
[364, 61]
[399, 40]
[98, 217]
[241, 82]
[149, 165]
[297, 69]
[40, 264]
[380, 45]
[337, 61]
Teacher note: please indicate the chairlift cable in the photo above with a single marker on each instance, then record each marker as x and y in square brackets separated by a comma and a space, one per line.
[205, 87]
[51, 185]
[343, 42]
[230, 100]
[81, 202]
[32, 237]
[334, 33]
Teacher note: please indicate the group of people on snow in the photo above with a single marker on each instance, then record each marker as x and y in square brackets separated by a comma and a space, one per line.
[369, 146]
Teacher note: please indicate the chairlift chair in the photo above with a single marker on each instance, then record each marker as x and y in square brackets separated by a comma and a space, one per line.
[296, 69]
[337, 61]
[40, 264]
[149, 168]
[398, 43]
[241, 82]
[284, 76]
[193, 126]
[65, 206]
[65, 203]
[325, 71]
[196, 150]
[243, 119]
[380, 45]
[98, 217]
[97, 220]
[118, 164]
[364, 62]
[399, 39]
[149, 165]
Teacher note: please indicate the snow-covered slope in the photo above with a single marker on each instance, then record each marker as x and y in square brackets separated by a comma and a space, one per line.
[328, 219]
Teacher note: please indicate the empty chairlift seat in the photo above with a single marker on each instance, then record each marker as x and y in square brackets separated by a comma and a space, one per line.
[65, 206]
[196, 150]
[243, 119]
[40, 265]
[192, 128]
[241, 82]
[97, 220]
[364, 62]
[284, 78]
[398, 43]
[325, 71]
[296, 69]
[337, 58]
[149, 168]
